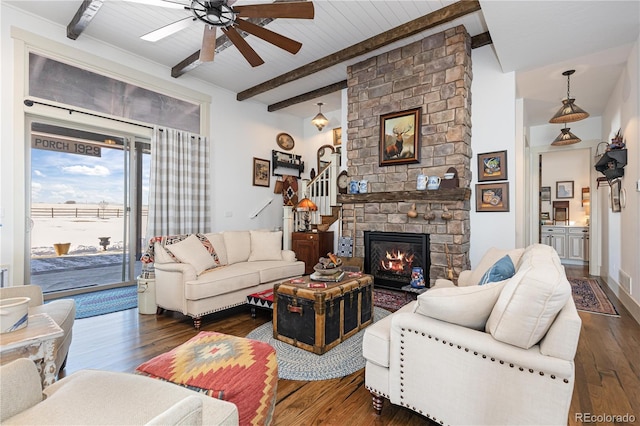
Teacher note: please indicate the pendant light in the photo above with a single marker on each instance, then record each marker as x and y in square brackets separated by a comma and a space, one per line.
[569, 111]
[320, 120]
[565, 138]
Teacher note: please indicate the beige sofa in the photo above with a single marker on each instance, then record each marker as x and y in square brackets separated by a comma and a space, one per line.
[500, 353]
[247, 262]
[92, 397]
[62, 311]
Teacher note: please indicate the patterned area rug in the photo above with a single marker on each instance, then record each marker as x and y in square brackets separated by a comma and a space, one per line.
[298, 364]
[105, 301]
[589, 297]
[389, 299]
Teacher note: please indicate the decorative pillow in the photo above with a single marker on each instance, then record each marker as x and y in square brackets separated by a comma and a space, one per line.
[265, 245]
[160, 256]
[528, 306]
[235, 369]
[490, 257]
[503, 269]
[192, 251]
[238, 245]
[466, 306]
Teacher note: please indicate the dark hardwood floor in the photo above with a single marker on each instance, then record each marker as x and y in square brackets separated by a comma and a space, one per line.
[607, 365]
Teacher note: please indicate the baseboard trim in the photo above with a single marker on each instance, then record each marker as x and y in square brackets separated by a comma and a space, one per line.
[625, 298]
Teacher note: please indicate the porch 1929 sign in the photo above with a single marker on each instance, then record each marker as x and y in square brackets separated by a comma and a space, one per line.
[65, 145]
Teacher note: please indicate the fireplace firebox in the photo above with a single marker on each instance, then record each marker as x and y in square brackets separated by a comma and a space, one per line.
[390, 257]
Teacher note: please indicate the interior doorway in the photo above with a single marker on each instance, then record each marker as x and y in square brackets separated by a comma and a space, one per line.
[87, 207]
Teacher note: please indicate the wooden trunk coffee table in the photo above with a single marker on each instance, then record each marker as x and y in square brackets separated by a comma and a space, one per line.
[317, 316]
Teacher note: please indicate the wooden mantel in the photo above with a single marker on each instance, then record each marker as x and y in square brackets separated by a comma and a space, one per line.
[433, 196]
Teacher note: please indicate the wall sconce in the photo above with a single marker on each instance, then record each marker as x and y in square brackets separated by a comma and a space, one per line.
[320, 120]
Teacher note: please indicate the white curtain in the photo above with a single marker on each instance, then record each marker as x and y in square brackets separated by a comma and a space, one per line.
[179, 192]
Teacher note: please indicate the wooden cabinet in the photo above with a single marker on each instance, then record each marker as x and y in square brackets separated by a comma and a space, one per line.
[571, 242]
[310, 246]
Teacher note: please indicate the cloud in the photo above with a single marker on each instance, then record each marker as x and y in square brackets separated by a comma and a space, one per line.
[38, 173]
[87, 171]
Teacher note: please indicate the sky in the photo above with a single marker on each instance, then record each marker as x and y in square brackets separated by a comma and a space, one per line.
[58, 177]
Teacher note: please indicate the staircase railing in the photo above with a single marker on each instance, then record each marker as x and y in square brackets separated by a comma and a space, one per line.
[322, 190]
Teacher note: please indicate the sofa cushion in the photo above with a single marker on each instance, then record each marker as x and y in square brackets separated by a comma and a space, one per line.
[191, 251]
[501, 270]
[222, 280]
[377, 338]
[490, 257]
[265, 245]
[527, 307]
[238, 245]
[466, 306]
[271, 270]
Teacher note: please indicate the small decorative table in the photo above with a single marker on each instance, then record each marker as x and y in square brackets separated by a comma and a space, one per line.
[35, 341]
[263, 299]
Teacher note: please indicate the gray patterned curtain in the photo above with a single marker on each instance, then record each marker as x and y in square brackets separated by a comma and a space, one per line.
[179, 193]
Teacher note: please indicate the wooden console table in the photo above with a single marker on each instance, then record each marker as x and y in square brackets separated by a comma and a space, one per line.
[35, 341]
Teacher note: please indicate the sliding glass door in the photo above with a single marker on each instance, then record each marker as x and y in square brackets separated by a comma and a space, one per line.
[87, 207]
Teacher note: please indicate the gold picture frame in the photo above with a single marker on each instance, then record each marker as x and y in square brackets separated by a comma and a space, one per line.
[492, 197]
[400, 137]
[337, 136]
[261, 168]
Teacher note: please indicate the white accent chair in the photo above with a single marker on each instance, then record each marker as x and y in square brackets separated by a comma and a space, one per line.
[62, 311]
[498, 354]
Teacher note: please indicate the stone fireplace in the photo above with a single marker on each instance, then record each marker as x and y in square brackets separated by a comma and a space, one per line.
[435, 75]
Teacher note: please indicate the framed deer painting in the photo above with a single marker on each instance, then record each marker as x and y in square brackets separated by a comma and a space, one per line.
[400, 137]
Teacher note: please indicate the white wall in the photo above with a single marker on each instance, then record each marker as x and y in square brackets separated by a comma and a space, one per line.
[239, 131]
[622, 230]
[493, 118]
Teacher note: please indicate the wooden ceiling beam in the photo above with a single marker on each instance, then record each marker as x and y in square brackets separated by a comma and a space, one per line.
[308, 96]
[476, 41]
[83, 17]
[481, 40]
[431, 20]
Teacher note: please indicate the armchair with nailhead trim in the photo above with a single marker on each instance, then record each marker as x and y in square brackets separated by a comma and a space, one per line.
[499, 353]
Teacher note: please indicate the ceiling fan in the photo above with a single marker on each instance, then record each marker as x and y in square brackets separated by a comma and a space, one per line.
[222, 14]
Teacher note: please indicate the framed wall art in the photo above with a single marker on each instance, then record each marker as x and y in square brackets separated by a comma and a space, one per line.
[616, 205]
[337, 136]
[492, 166]
[545, 193]
[564, 189]
[400, 137]
[492, 197]
[261, 172]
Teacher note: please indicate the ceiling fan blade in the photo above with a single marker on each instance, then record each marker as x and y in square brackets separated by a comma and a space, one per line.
[167, 30]
[208, 49]
[247, 51]
[298, 9]
[276, 39]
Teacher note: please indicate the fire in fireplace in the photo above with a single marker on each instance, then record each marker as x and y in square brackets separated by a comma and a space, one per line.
[391, 256]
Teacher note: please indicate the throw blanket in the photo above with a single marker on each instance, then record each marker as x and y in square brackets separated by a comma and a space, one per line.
[165, 240]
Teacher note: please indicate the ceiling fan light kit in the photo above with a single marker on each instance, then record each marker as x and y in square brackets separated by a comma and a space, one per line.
[568, 113]
[320, 120]
[221, 14]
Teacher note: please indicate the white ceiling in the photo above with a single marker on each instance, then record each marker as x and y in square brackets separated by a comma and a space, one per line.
[536, 39]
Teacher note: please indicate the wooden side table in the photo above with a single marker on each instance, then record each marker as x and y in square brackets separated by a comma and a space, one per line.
[35, 341]
[310, 246]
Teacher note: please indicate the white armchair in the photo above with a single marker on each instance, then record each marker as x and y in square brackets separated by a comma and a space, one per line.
[501, 353]
[62, 311]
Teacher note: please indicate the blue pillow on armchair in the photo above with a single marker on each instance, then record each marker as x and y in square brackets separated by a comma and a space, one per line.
[501, 270]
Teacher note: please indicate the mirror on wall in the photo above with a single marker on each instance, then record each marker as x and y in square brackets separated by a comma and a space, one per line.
[324, 156]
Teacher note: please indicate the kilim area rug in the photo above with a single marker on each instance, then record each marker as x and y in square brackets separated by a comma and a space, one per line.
[105, 301]
[389, 299]
[589, 297]
[298, 364]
